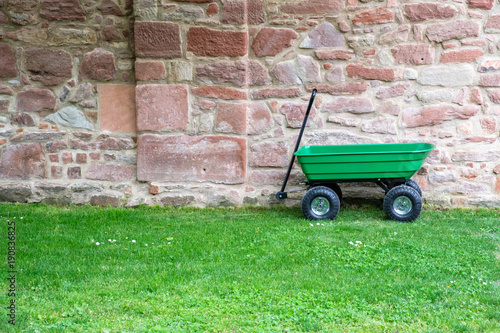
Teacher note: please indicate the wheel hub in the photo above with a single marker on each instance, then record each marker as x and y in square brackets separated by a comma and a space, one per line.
[320, 206]
[403, 205]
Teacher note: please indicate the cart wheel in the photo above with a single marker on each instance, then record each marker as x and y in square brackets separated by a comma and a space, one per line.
[403, 204]
[320, 203]
[335, 187]
[414, 186]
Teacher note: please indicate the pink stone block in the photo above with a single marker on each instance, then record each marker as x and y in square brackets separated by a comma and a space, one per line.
[118, 108]
[162, 107]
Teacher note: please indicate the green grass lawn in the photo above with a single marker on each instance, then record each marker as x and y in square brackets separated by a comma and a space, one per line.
[250, 270]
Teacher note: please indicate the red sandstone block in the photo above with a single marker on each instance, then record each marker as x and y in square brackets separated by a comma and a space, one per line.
[349, 104]
[271, 41]
[395, 90]
[434, 115]
[74, 173]
[219, 159]
[110, 172]
[269, 154]
[259, 118]
[451, 30]
[480, 4]
[497, 185]
[295, 113]
[428, 11]
[157, 40]
[217, 43]
[313, 7]
[490, 80]
[374, 16]
[98, 65]
[231, 118]
[220, 92]
[370, 73]
[118, 108]
[34, 99]
[468, 55]
[334, 54]
[56, 172]
[162, 107]
[81, 158]
[62, 10]
[351, 88]
[416, 54]
[492, 24]
[67, 157]
[22, 161]
[267, 93]
[150, 70]
[54, 158]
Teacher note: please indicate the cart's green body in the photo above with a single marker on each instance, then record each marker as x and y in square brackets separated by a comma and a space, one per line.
[370, 162]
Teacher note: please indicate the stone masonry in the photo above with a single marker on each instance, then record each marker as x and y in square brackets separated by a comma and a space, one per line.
[198, 102]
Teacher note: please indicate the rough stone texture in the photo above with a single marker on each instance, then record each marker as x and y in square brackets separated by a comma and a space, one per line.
[240, 73]
[110, 172]
[492, 24]
[451, 30]
[269, 154]
[259, 118]
[162, 107]
[117, 103]
[458, 75]
[157, 40]
[416, 54]
[217, 43]
[480, 4]
[324, 35]
[109, 7]
[23, 161]
[397, 89]
[428, 11]
[103, 200]
[353, 105]
[191, 158]
[370, 73]
[231, 118]
[461, 56]
[382, 126]
[23, 119]
[374, 16]
[150, 70]
[488, 65]
[267, 93]
[15, 193]
[220, 92]
[433, 115]
[98, 65]
[34, 99]
[313, 7]
[271, 41]
[295, 114]
[70, 116]
[62, 10]
[303, 69]
[7, 61]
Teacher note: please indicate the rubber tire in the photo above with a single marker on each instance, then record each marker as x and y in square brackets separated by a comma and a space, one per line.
[320, 191]
[414, 185]
[333, 186]
[410, 193]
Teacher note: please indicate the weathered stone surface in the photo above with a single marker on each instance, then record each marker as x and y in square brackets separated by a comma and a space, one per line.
[62, 10]
[334, 54]
[240, 73]
[212, 9]
[399, 35]
[34, 99]
[259, 118]
[110, 172]
[84, 91]
[382, 126]
[468, 55]
[74, 172]
[269, 154]
[5, 90]
[43, 136]
[480, 4]
[475, 156]
[451, 30]
[103, 200]
[324, 35]
[489, 65]
[98, 65]
[370, 73]
[4, 20]
[191, 158]
[220, 92]
[374, 16]
[4, 105]
[351, 88]
[494, 95]
[23, 119]
[150, 70]
[23, 161]
[271, 41]
[118, 104]
[162, 107]
[337, 138]
[231, 118]
[434, 115]
[346, 104]
[70, 116]
[186, 13]
[7, 61]
[51, 67]
[295, 114]
[15, 193]
[109, 7]
[416, 54]
[313, 7]
[267, 93]
[145, 9]
[157, 40]
[55, 146]
[447, 76]
[234, 11]
[434, 96]
[492, 24]
[64, 36]
[177, 201]
[302, 69]
[110, 143]
[427, 11]
[217, 43]
[490, 80]
[111, 34]
[255, 12]
[397, 89]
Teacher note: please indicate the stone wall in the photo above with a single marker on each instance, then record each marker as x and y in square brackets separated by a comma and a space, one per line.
[198, 102]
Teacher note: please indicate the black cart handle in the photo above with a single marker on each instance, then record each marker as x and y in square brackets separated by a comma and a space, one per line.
[281, 195]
